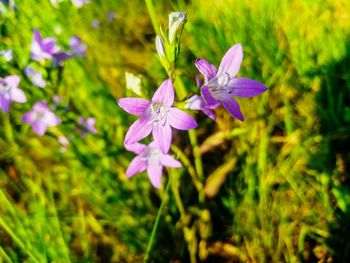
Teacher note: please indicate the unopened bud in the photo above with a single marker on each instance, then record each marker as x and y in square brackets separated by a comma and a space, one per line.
[160, 46]
[176, 24]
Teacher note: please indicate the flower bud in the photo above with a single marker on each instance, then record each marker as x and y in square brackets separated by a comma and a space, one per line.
[176, 24]
[160, 47]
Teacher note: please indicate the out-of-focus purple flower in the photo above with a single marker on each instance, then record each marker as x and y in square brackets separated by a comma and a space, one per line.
[7, 54]
[150, 158]
[157, 116]
[40, 117]
[35, 76]
[64, 143]
[57, 100]
[95, 24]
[88, 125]
[221, 84]
[80, 3]
[78, 48]
[9, 92]
[10, 3]
[59, 58]
[42, 49]
[111, 15]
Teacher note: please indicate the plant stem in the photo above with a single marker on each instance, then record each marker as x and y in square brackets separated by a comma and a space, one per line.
[152, 14]
[152, 238]
[197, 157]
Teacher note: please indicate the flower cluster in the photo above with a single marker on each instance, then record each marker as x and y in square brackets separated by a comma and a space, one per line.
[158, 116]
[41, 117]
[46, 48]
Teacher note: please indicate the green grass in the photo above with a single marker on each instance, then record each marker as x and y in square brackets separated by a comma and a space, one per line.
[275, 188]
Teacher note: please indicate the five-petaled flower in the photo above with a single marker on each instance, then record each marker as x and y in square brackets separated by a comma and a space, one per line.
[9, 92]
[150, 158]
[221, 84]
[40, 117]
[42, 49]
[157, 116]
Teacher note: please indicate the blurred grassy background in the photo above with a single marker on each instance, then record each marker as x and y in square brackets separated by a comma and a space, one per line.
[277, 185]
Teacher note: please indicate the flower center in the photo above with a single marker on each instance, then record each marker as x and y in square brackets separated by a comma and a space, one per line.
[39, 115]
[159, 113]
[4, 88]
[151, 155]
[220, 87]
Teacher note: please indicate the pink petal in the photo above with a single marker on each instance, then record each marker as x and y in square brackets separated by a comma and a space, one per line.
[194, 103]
[137, 165]
[231, 62]
[136, 106]
[51, 119]
[162, 136]
[13, 81]
[164, 94]
[233, 108]
[209, 113]
[154, 172]
[39, 128]
[37, 36]
[136, 148]
[246, 88]
[198, 82]
[18, 95]
[208, 70]
[41, 106]
[5, 104]
[181, 120]
[28, 117]
[138, 130]
[169, 161]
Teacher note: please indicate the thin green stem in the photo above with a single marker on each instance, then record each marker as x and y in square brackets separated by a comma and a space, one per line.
[197, 156]
[152, 14]
[175, 189]
[8, 128]
[152, 238]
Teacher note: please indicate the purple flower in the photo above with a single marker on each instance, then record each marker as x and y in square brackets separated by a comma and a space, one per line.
[221, 84]
[42, 49]
[95, 24]
[80, 3]
[40, 117]
[157, 116]
[35, 76]
[111, 15]
[77, 46]
[9, 92]
[150, 158]
[88, 125]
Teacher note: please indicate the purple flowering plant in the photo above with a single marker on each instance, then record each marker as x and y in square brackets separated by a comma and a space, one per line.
[41, 118]
[9, 92]
[160, 115]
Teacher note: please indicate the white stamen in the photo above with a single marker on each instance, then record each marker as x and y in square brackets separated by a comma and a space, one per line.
[159, 113]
